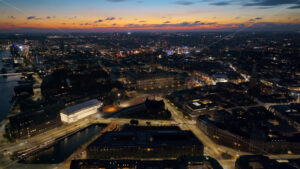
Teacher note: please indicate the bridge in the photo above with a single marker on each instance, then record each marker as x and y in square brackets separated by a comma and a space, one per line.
[14, 74]
[10, 74]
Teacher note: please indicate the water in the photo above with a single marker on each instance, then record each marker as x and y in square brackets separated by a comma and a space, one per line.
[6, 88]
[64, 148]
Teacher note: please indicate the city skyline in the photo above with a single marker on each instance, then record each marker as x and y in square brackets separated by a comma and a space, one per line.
[135, 84]
[133, 15]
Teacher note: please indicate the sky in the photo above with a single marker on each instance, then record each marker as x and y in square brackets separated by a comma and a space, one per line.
[130, 15]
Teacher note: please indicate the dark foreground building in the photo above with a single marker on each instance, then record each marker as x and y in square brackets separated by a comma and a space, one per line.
[180, 163]
[29, 124]
[263, 162]
[150, 109]
[146, 144]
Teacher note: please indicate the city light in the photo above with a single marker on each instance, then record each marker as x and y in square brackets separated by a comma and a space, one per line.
[141, 84]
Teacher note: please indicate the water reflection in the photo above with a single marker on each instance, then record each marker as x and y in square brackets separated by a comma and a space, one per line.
[6, 87]
[64, 148]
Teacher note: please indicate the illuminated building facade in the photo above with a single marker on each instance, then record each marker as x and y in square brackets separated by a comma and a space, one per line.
[156, 80]
[80, 111]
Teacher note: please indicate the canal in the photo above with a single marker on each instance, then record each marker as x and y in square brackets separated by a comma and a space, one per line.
[7, 85]
[64, 148]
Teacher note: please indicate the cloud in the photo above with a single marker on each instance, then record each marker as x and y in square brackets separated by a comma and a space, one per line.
[73, 17]
[142, 21]
[185, 24]
[221, 3]
[262, 26]
[50, 17]
[33, 18]
[116, 0]
[235, 25]
[85, 24]
[186, 3]
[270, 26]
[98, 21]
[11, 17]
[133, 25]
[110, 18]
[265, 7]
[270, 2]
[294, 7]
[167, 22]
[255, 19]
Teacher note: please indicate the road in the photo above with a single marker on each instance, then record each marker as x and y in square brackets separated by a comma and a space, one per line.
[39, 141]
[51, 135]
[210, 148]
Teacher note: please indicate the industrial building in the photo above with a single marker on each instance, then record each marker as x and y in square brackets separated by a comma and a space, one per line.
[80, 111]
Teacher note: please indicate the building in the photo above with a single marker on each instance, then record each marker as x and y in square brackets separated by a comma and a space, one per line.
[288, 112]
[156, 80]
[180, 163]
[263, 162]
[197, 107]
[15, 51]
[243, 130]
[145, 144]
[220, 78]
[150, 109]
[80, 111]
[26, 125]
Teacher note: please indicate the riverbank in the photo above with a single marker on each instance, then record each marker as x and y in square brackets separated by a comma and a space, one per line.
[7, 84]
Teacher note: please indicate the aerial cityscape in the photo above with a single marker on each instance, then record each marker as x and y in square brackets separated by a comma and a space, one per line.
[138, 84]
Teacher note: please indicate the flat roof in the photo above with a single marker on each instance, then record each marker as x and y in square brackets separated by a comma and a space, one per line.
[147, 138]
[77, 107]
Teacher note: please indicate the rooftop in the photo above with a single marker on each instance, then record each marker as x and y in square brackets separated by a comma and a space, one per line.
[182, 163]
[78, 107]
[146, 138]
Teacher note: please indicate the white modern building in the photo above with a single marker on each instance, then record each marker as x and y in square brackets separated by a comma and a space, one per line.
[80, 111]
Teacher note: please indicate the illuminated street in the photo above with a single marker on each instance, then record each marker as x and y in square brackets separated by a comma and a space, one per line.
[136, 84]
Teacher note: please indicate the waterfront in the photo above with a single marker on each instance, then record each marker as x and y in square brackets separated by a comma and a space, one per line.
[64, 148]
[7, 85]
